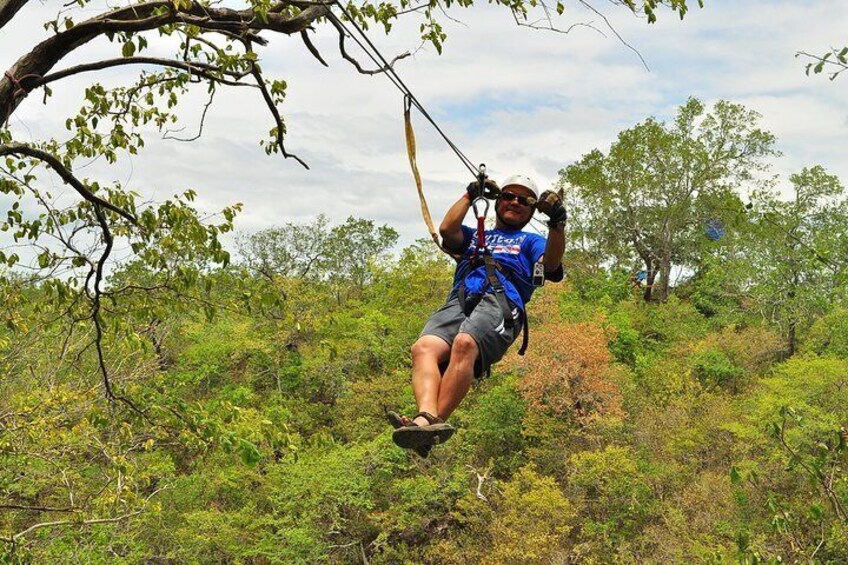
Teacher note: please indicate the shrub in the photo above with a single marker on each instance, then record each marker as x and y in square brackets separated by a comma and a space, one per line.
[731, 358]
[495, 425]
[532, 522]
[572, 373]
[618, 500]
[714, 369]
[829, 335]
[526, 523]
[672, 322]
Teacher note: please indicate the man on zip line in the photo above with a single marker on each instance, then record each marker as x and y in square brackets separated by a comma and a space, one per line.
[485, 312]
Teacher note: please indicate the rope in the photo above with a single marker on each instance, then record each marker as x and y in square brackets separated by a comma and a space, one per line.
[16, 82]
[409, 100]
[411, 152]
[413, 164]
[19, 90]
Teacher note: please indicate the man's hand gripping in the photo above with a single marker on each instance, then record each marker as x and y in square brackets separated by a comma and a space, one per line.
[551, 205]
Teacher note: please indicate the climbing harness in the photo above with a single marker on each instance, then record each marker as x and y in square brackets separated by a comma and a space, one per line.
[482, 256]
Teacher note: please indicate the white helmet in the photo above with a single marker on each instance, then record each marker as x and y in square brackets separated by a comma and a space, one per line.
[521, 180]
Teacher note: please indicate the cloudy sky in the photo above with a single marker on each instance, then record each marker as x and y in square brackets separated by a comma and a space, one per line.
[518, 99]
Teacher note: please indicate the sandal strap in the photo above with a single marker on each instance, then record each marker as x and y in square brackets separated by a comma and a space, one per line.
[429, 417]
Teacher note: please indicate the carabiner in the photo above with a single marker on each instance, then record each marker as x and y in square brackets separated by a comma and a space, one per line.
[474, 204]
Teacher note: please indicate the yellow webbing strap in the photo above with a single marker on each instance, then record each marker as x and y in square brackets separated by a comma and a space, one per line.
[410, 149]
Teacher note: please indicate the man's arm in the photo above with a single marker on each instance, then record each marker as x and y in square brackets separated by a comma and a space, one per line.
[550, 204]
[554, 248]
[451, 226]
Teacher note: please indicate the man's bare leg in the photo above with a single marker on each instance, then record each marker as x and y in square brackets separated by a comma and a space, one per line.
[457, 379]
[427, 354]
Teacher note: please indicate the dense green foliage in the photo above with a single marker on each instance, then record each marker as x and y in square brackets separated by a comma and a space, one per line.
[633, 432]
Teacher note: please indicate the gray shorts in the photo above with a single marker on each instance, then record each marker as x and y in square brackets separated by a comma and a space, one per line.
[485, 325]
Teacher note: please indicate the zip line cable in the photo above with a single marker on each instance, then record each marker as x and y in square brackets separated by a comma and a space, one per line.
[381, 61]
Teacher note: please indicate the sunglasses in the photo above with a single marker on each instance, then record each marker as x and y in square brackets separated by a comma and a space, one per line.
[523, 200]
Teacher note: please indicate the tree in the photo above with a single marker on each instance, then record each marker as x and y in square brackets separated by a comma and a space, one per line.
[647, 199]
[291, 250]
[789, 263]
[314, 251]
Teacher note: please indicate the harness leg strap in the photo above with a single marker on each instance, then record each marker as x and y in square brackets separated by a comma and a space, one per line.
[525, 340]
[498, 290]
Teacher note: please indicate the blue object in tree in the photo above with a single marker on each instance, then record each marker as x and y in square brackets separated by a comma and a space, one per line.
[715, 229]
[640, 276]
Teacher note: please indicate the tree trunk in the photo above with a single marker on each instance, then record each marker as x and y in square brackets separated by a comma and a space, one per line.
[650, 277]
[791, 340]
[665, 280]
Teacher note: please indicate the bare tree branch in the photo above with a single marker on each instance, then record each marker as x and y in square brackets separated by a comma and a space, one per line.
[194, 67]
[202, 121]
[143, 17]
[480, 480]
[14, 539]
[615, 32]
[546, 23]
[312, 49]
[37, 508]
[343, 34]
[67, 176]
[269, 101]
[8, 9]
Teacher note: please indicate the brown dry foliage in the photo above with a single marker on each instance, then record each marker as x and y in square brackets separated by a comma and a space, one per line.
[570, 372]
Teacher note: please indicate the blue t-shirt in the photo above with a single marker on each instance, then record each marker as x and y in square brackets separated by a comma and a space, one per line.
[516, 251]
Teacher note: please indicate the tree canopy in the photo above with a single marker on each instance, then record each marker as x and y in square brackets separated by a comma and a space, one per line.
[649, 196]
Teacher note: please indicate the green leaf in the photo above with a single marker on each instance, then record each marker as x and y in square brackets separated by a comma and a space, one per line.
[249, 453]
[735, 476]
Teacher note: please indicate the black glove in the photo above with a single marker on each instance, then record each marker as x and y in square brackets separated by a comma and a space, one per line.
[550, 204]
[490, 190]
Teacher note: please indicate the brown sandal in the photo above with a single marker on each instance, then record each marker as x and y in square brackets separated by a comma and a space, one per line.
[413, 435]
[398, 421]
